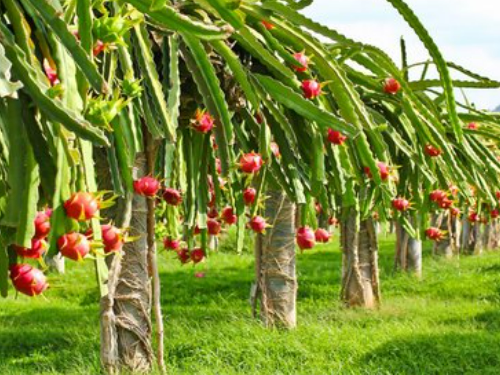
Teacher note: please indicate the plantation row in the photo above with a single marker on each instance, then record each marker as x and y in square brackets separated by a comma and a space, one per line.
[82, 207]
[123, 124]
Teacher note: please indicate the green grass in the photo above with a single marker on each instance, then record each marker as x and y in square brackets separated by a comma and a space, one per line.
[448, 323]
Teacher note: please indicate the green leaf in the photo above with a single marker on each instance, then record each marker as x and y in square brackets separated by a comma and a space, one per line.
[170, 19]
[85, 25]
[240, 73]
[90, 179]
[58, 220]
[174, 84]
[428, 83]
[7, 87]
[289, 164]
[41, 148]
[469, 73]
[22, 179]
[227, 14]
[277, 46]
[317, 165]
[290, 99]
[52, 108]
[209, 86]
[158, 4]
[123, 153]
[440, 62]
[152, 82]
[190, 191]
[4, 268]
[28, 208]
[203, 189]
[246, 38]
[53, 19]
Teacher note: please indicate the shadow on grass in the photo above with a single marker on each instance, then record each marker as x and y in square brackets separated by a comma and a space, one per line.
[449, 354]
[494, 297]
[490, 320]
[494, 268]
[50, 340]
[316, 271]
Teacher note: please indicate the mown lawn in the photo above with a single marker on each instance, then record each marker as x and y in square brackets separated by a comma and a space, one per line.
[448, 323]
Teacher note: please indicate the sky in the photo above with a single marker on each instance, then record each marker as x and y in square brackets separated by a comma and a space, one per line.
[466, 31]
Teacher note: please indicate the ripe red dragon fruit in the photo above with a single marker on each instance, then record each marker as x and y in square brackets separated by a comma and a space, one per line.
[99, 46]
[454, 211]
[275, 149]
[228, 216]
[303, 60]
[391, 86]
[472, 126]
[437, 196]
[74, 246]
[322, 235]
[42, 224]
[495, 213]
[147, 186]
[267, 25]
[434, 234]
[432, 151]
[445, 203]
[305, 238]
[213, 227]
[36, 251]
[473, 217]
[184, 256]
[311, 88]
[333, 221]
[197, 255]
[335, 137]
[203, 122]
[171, 243]
[213, 213]
[172, 196]
[400, 204]
[249, 195]
[82, 206]
[257, 224]
[383, 169]
[112, 238]
[28, 280]
[250, 163]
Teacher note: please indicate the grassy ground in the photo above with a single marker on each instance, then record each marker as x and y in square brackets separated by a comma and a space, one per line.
[448, 323]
